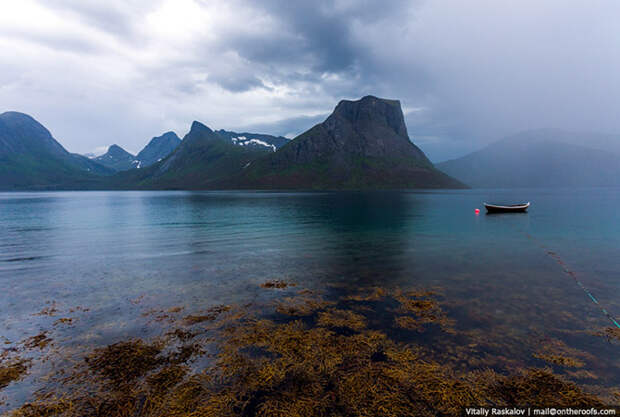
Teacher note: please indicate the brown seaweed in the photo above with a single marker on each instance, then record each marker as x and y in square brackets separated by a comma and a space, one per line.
[277, 283]
[210, 315]
[39, 341]
[12, 371]
[298, 361]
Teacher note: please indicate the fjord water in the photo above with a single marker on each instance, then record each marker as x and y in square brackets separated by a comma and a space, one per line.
[120, 254]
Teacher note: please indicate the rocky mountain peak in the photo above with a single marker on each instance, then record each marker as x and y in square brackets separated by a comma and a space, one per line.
[362, 144]
[198, 127]
[116, 151]
[372, 110]
[369, 127]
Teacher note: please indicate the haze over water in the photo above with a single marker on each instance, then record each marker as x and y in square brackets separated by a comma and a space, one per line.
[122, 253]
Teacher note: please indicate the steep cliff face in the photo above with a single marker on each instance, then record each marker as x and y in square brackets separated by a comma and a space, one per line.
[362, 144]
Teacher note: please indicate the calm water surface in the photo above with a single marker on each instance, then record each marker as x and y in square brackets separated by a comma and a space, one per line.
[121, 253]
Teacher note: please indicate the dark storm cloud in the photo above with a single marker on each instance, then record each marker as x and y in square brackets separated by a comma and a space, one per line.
[318, 37]
[323, 29]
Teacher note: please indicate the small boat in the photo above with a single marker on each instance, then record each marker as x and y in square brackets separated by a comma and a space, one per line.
[514, 208]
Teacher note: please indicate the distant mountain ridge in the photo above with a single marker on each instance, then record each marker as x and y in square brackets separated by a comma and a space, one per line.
[537, 158]
[118, 159]
[158, 148]
[362, 144]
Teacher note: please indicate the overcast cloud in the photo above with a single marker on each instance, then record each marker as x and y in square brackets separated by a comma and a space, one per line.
[97, 73]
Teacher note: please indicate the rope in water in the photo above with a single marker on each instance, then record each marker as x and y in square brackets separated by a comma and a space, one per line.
[579, 283]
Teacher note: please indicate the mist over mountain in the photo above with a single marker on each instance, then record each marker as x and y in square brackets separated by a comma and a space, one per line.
[541, 158]
[594, 140]
[30, 158]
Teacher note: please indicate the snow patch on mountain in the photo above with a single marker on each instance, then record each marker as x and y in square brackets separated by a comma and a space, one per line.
[244, 141]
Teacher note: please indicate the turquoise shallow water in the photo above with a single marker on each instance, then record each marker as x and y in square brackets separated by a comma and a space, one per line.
[119, 253]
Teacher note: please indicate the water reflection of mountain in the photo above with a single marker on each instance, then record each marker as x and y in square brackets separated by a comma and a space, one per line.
[360, 238]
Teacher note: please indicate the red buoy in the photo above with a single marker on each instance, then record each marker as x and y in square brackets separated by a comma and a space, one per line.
[477, 211]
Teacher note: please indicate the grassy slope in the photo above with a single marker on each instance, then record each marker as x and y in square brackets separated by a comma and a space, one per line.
[364, 173]
[200, 167]
[28, 172]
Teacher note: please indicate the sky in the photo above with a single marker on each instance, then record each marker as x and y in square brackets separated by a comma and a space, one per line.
[467, 73]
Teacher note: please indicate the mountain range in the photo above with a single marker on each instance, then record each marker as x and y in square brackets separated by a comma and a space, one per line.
[203, 158]
[363, 144]
[541, 158]
[118, 159]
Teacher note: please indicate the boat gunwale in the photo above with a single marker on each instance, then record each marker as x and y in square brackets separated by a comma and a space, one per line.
[511, 207]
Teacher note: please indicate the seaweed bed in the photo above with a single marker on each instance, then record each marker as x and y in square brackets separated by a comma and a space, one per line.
[12, 371]
[306, 354]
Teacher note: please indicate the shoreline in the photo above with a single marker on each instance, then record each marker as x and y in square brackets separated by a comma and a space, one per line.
[335, 347]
